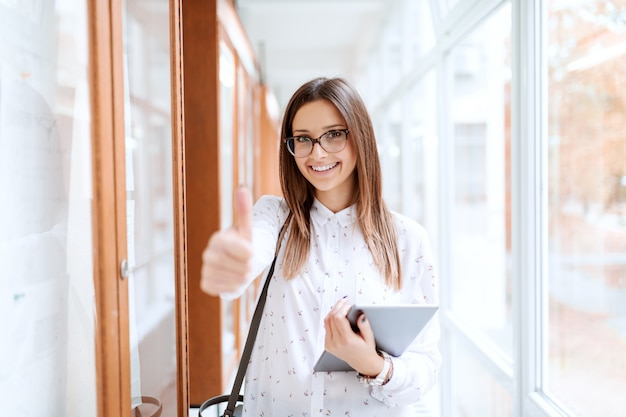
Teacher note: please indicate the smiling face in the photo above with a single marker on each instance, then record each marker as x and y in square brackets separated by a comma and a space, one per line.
[331, 174]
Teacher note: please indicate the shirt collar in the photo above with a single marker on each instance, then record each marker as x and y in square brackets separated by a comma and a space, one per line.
[321, 214]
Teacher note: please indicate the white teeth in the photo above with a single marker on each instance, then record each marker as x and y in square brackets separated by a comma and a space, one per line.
[323, 167]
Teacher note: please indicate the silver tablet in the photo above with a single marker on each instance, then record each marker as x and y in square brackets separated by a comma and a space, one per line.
[394, 327]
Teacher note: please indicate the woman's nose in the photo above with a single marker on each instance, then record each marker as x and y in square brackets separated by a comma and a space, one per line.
[317, 150]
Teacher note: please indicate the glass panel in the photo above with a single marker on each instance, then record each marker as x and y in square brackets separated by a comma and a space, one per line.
[480, 229]
[389, 141]
[419, 35]
[227, 133]
[149, 204]
[244, 306]
[419, 153]
[477, 392]
[587, 206]
[451, 4]
[46, 278]
[245, 142]
[369, 81]
[227, 170]
[391, 50]
[443, 8]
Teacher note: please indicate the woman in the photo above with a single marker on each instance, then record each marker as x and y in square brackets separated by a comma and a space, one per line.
[342, 246]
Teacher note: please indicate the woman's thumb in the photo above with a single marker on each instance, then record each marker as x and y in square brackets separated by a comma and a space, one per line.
[243, 212]
[365, 330]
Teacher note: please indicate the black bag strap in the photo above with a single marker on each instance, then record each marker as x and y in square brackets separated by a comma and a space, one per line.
[254, 328]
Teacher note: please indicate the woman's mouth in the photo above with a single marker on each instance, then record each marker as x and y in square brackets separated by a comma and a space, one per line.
[323, 168]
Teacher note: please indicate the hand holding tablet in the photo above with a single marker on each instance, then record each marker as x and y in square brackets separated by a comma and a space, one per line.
[394, 327]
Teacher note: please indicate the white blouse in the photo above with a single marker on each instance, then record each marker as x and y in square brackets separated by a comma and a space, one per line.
[280, 380]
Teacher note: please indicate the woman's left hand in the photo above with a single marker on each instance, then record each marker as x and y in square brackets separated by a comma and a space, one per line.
[357, 349]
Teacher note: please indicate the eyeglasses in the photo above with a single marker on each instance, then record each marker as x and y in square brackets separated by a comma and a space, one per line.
[331, 141]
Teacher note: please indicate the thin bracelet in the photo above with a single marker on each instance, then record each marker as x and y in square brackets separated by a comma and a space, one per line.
[383, 377]
[390, 373]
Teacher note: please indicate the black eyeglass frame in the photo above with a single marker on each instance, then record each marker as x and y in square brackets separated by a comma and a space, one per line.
[314, 141]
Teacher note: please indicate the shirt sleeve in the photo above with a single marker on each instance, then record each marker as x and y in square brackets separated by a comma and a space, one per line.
[416, 371]
[268, 215]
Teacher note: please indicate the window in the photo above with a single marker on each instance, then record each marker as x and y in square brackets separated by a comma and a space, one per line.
[149, 205]
[479, 234]
[553, 329]
[419, 153]
[586, 209]
[389, 142]
[47, 321]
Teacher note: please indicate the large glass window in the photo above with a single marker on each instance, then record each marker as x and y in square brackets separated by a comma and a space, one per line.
[149, 205]
[390, 48]
[47, 326]
[228, 78]
[479, 289]
[418, 32]
[419, 153]
[586, 148]
[479, 68]
[477, 392]
[580, 333]
[407, 145]
[389, 142]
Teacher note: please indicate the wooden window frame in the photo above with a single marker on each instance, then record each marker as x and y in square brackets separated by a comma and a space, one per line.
[109, 189]
[180, 220]
[109, 196]
[195, 162]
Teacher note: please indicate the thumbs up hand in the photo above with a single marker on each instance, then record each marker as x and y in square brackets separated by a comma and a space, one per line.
[243, 207]
[226, 259]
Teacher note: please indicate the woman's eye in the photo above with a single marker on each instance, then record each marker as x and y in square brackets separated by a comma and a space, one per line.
[302, 139]
[333, 134]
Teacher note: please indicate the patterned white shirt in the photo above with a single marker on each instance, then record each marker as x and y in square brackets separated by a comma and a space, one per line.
[280, 380]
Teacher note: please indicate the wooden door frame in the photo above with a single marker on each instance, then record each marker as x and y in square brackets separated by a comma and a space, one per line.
[179, 197]
[109, 208]
[194, 87]
[200, 75]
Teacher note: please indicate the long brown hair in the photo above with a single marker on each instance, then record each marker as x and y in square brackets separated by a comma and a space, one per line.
[373, 215]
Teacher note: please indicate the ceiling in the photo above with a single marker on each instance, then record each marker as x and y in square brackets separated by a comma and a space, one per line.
[297, 40]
